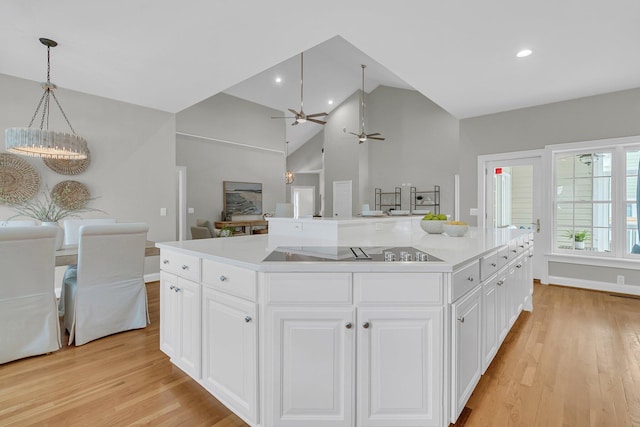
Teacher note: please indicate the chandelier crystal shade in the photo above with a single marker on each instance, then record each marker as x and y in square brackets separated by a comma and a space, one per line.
[43, 142]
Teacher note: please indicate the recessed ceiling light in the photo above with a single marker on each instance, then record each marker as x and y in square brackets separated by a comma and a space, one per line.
[278, 79]
[524, 52]
[330, 102]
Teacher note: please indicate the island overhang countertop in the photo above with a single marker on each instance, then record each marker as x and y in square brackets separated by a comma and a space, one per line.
[250, 251]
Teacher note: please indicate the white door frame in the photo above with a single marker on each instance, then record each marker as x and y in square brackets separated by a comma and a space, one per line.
[350, 201]
[181, 175]
[541, 268]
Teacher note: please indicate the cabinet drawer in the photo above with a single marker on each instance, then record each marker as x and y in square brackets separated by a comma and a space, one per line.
[230, 279]
[334, 288]
[466, 279]
[489, 265]
[401, 288]
[503, 257]
[182, 265]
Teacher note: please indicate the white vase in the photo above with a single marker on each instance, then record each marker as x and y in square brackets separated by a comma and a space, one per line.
[59, 236]
[579, 245]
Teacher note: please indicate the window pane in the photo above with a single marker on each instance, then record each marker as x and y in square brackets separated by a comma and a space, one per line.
[602, 188]
[632, 235]
[601, 240]
[633, 158]
[582, 164]
[601, 165]
[632, 182]
[564, 189]
[602, 215]
[564, 213]
[564, 166]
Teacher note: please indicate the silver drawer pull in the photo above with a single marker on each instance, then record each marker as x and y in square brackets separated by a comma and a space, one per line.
[177, 289]
[185, 267]
[505, 257]
[470, 278]
[365, 325]
[165, 261]
[348, 325]
[530, 255]
[493, 264]
[461, 319]
[172, 287]
[247, 319]
[522, 246]
[514, 251]
[223, 278]
[519, 266]
[500, 282]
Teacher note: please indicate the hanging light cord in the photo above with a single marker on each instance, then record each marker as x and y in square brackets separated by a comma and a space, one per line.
[48, 91]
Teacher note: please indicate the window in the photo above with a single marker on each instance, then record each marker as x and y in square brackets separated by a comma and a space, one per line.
[595, 202]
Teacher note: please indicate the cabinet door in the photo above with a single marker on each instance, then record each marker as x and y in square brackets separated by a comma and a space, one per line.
[466, 352]
[169, 314]
[502, 301]
[399, 367]
[489, 321]
[229, 351]
[189, 351]
[312, 367]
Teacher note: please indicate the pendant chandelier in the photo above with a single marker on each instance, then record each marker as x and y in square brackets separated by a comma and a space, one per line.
[43, 142]
[288, 175]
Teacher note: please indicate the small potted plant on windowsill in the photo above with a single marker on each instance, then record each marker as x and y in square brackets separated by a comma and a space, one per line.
[578, 238]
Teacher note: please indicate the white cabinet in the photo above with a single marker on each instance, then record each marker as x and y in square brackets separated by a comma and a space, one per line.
[230, 351]
[180, 324]
[314, 323]
[466, 349]
[502, 301]
[489, 320]
[399, 367]
[313, 367]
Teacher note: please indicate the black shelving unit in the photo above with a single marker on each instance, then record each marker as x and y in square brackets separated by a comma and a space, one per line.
[388, 200]
[429, 199]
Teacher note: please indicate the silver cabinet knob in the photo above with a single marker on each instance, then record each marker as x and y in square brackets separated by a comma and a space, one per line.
[247, 319]
[493, 264]
[185, 267]
[519, 266]
[470, 278]
[223, 278]
[348, 325]
[530, 255]
[514, 251]
[522, 246]
[165, 261]
[500, 282]
[461, 319]
[172, 287]
[177, 289]
[505, 257]
[365, 325]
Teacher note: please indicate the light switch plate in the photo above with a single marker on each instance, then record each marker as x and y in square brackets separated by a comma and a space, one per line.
[163, 211]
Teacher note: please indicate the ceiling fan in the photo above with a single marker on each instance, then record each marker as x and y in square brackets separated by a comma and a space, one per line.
[363, 136]
[300, 116]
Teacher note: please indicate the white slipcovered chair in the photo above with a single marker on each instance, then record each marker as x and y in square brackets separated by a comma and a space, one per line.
[19, 223]
[28, 313]
[72, 228]
[107, 293]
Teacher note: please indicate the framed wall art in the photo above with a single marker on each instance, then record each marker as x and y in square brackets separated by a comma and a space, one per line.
[242, 198]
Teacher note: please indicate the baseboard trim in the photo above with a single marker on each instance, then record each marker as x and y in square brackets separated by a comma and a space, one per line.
[593, 285]
[151, 277]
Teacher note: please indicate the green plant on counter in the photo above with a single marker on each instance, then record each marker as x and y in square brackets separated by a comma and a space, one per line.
[227, 231]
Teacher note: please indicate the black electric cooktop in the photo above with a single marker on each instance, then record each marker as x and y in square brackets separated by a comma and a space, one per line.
[350, 253]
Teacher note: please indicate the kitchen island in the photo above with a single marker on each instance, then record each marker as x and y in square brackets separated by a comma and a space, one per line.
[343, 343]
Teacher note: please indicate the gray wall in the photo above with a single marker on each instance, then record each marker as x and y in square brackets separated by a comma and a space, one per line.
[597, 117]
[306, 180]
[421, 146]
[307, 158]
[209, 163]
[132, 170]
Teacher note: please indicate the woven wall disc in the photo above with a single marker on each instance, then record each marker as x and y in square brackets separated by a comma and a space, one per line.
[68, 166]
[19, 181]
[70, 194]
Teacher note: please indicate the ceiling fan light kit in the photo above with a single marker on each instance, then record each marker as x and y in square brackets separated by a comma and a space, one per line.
[300, 116]
[43, 142]
[362, 135]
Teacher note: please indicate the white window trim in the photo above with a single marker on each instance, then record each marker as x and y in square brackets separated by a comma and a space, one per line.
[618, 256]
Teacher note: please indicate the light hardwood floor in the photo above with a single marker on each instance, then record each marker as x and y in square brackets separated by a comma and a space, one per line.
[574, 361]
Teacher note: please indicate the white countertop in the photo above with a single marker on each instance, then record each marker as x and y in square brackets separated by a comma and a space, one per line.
[249, 251]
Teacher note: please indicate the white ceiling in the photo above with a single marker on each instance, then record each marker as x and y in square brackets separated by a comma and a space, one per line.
[169, 54]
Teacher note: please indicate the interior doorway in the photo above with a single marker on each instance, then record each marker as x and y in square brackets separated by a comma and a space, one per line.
[342, 199]
[510, 190]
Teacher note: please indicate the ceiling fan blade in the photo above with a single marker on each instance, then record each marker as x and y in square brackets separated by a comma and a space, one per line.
[282, 117]
[294, 111]
[317, 115]
[320, 122]
[295, 123]
[353, 133]
[375, 137]
[374, 134]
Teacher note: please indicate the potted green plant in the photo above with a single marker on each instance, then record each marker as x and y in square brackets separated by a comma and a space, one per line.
[578, 237]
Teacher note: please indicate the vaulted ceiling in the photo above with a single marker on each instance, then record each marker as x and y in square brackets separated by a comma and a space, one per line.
[169, 55]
